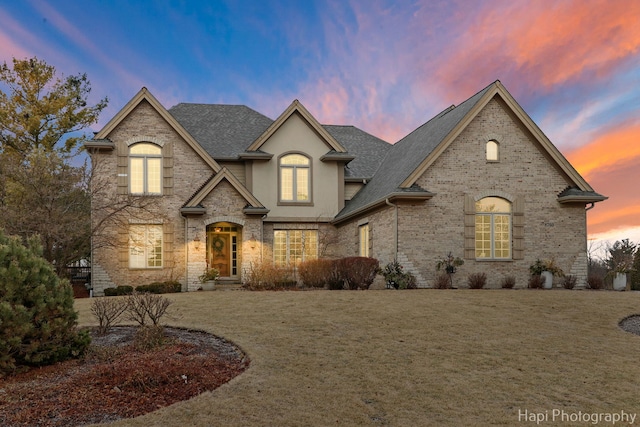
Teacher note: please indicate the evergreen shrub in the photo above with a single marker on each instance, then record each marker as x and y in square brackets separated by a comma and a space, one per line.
[38, 323]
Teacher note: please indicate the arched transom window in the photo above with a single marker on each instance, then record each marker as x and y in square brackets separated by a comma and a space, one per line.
[295, 178]
[493, 228]
[145, 168]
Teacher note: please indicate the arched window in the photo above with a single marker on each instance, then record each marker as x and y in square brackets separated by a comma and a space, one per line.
[492, 151]
[493, 228]
[295, 178]
[145, 169]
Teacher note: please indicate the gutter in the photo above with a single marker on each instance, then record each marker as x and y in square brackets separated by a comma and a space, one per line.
[399, 195]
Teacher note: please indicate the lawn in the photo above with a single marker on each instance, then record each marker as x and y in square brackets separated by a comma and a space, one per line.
[409, 358]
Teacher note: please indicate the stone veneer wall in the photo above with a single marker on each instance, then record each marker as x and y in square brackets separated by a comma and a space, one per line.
[188, 168]
[430, 230]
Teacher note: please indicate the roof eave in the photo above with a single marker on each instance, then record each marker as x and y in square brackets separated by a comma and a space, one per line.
[253, 210]
[339, 157]
[255, 155]
[581, 199]
[98, 145]
[393, 197]
[192, 211]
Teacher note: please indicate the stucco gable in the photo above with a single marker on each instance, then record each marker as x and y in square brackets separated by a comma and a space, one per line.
[297, 108]
[145, 96]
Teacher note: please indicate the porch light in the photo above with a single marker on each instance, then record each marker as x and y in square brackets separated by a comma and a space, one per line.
[217, 229]
[196, 241]
[252, 241]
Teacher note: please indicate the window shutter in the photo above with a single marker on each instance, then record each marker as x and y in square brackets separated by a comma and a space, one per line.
[518, 228]
[167, 250]
[469, 227]
[167, 169]
[123, 247]
[123, 167]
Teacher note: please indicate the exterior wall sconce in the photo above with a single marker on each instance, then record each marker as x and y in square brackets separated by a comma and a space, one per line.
[196, 241]
[252, 241]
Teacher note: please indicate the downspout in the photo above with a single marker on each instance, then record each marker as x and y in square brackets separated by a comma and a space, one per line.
[593, 205]
[262, 237]
[395, 228]
[186, 253]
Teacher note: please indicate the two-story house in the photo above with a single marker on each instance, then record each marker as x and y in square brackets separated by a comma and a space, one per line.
[176, 191]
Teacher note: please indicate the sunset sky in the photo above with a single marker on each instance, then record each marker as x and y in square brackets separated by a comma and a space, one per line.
[384, 66]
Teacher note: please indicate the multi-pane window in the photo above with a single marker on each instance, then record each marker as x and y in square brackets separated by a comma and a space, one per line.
[492, 151]
[363, 240]
[290, 247]
[295, 182]
[145, 246]
[145, 169]
[493, 228]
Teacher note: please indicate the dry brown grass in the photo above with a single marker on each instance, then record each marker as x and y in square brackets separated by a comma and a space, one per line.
[407, 358]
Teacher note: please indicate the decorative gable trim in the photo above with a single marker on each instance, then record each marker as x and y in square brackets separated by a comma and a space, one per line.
[197, 198]
[497, 89]
[297, 107]
[145, 95]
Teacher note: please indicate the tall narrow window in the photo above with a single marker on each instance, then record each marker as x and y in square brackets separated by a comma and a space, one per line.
[290, 247]
[145, 169]
[492, 151]
[295, 178]
[363, 233]
[493, 228]
[145, 246]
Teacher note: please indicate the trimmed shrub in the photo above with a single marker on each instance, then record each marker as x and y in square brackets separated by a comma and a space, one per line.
[118, 291]
[595, 281]
[508, 282]
[536, 282]
[357, 272]
[316, 273]
[395, 276]
[38, 323]
[442, 281]
[569, 281]
[477, 280]
[265, 276]
[168, 287]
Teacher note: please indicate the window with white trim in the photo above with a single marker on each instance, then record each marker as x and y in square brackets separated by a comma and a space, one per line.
[145, 246]
[145, 169]
[295, 178]
[363, 240]
[291, 247]
[493, 228]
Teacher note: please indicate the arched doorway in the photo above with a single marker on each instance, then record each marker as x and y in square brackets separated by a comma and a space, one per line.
[223, 249]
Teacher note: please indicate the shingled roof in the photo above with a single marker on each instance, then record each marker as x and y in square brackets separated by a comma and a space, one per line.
[226, 131]
[406, 155]
[223, 130]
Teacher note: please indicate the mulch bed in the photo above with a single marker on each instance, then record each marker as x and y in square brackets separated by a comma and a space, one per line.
[115, 380]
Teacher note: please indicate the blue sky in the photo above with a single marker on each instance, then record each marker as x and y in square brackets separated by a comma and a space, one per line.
[384, 66]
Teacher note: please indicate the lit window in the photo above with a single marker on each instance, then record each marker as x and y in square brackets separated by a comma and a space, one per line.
[492, 151]
[145, 169]
[363, 233]
[295, 183]
[290, 247]
[145, 246]
[493, 228]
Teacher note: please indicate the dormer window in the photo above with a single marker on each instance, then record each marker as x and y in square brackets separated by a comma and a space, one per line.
[295, 179]
[492, 151]
[145, 169]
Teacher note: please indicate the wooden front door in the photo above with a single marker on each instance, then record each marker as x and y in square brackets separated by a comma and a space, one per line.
[222, 249]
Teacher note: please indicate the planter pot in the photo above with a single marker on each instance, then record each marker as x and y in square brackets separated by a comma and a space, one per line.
[209, 285]
[548, 279]
[620, 282]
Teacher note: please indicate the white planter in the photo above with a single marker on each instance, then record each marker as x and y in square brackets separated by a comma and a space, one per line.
[548, 279]
[620, 282]
[209, 285]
